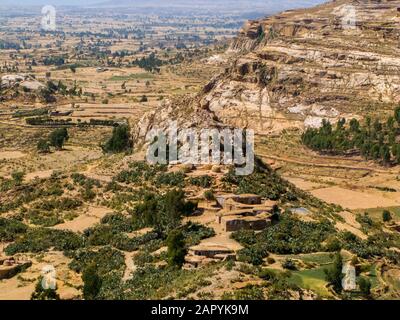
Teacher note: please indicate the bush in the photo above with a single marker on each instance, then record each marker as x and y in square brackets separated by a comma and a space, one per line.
[120, 140]
[106, 260]
[173, 179]
[58, 138]
[91, 282]
[42, 239]
[194, 233]
[365, 286]
[18, 177]
[162, 212]
[201, 181]
[289, 236]
[209, 195]
[386, 216]
[334, 275]
[253, 255]
[176, 249]
[289, 264]
[11, 229]
[249, 292]
[43, 146]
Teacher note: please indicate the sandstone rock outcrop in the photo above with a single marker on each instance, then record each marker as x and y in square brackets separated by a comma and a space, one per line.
[339, 59]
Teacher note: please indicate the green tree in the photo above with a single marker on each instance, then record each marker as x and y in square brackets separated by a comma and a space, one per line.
[120, 140]
[209, 195]
[365, 286]
[58, 138]
[176, 248]
[334, 275]
[43, 146]
[396, 152]
[397, 114]
[390, 123]
[354, 125]
[91, 282]
[386, 216]
[385, 154]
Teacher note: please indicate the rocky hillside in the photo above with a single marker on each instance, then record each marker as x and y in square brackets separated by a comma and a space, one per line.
[339, 59]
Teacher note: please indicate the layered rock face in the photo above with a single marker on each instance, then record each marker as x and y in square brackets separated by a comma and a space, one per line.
[339, 59]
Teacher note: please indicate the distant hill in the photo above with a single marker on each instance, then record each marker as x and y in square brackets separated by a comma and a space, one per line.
[271, 5]
[267, 6]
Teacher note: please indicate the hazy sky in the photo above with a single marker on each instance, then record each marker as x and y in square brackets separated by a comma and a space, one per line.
[284, 3]
[44, 2]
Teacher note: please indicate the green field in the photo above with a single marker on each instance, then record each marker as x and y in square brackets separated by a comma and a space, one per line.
[376, 213]
[313, 279]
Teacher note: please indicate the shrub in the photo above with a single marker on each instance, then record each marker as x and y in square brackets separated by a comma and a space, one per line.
[289, 264]
[289, 236]
[11, 229]
[386, 216]
[249, 292]
[58, 138]
[201, 181]
[18, 177]
[43, 146]
[106, 260]
[365, 286]
[91, 282]
[209, 195]
[334, 275]
[42, 239]
[120, 140]
[176, 249]
[194, 233]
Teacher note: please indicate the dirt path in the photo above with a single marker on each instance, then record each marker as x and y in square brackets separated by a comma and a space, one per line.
[130, 265]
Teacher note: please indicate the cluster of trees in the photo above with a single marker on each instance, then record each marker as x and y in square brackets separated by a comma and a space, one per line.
[30, 113]
[150, 63]
[263, 181]
[120, 141]
[374, 140]
[163, 212]
[289, 236]
[57, 61]
[48, 121]
[57, 139]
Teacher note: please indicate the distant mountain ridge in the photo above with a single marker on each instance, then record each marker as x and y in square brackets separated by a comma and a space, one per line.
[271, 4]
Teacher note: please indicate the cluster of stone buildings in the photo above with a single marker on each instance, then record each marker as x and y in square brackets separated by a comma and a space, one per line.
[244, 212]
[233, 213]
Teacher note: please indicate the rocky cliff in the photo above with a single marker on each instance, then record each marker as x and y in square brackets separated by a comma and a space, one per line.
[339, 59]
